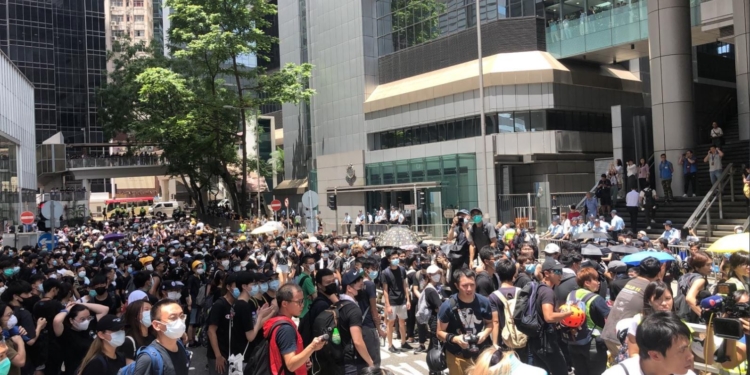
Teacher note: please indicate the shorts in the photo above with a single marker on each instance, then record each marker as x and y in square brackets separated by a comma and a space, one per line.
[194, 315]
[399, 311]
[282, 268]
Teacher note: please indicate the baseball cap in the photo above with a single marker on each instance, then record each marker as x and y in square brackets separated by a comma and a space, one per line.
[172, 285]
[433, 269]
[261, 277]
[551, 248]
[476, 209]
[196, 264]
[551, 264]
[462, 211]
[137, 295]
[350, 277]
[668, 222]
[110, 323]
[613, 211]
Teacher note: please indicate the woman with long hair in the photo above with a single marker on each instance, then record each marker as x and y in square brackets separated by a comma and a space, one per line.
[619, 170]
[138, 333]
[500, 362]
[643, 174]
[694, 285]
[102, 357]
[739, 267]
[14, 348]
[74, 328]
[656, 297]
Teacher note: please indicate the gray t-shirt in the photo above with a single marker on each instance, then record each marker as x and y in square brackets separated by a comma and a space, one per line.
[714, 162]
[628, 303]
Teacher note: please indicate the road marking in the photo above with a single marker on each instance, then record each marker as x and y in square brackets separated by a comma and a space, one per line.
[405, 369]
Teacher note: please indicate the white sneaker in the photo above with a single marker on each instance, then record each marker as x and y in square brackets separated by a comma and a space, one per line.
[684, 195]
[649, 228]
[693, 195]
[652, 221]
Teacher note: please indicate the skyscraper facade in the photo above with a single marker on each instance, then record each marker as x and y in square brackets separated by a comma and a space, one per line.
[60, 47]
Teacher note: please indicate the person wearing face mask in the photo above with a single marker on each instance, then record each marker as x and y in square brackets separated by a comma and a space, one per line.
[487, 281]
[102, 357]
[101, 296]
[74, 327]
[356, 355]
[367, 303]
[219, 325]
[13, 347]
[305, 281]
[194, 283]
[482, 234]
[22, 319]
[249, 316]
[138, 331]
[273, 285]
[396, 297]
[417, 282]
[168, 320]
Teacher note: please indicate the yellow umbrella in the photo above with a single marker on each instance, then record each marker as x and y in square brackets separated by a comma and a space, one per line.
[731, 243]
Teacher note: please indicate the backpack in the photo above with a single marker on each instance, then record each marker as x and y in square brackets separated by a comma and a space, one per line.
[323, 324]
[201, 333]
[682, 308]
[200, 298]
[583, 334]
[260, 358]
[423, 309]
[157, 362]
[525, 315]
[510, 334]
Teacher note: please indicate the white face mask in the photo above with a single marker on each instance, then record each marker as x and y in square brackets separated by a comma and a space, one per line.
[173, 295]
[311, 267]
[118, 338]
[150, 268]
[435, 278]
[200, 271]
[12, 322]
[82, 326]
[225, 263]
[175, 329]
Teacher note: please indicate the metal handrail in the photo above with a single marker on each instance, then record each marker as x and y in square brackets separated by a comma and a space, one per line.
[746, 224]
[716, 192]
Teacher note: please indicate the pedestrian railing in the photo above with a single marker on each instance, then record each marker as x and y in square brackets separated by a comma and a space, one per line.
[119, 161]
[64, 196]
[716, 193]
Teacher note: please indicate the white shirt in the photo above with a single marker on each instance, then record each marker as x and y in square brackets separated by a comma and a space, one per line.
[358, 221]
[631, 200]
[632, 170]
[634, 368]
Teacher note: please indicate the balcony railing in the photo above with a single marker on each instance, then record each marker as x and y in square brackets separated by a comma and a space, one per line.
[118, 161]
[66, 196]
[624, 24]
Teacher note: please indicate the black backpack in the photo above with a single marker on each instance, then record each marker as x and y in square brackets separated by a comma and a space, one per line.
[323, 324]
[526, 315]
[260, 358]
[682, 308]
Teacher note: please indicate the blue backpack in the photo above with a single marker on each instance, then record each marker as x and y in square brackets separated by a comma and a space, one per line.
[157, 363]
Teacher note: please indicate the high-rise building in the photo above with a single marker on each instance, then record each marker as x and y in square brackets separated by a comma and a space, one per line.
[60, 47]
[567, 85]
[134, 19]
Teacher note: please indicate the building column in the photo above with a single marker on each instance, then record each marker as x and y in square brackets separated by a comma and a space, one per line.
[86, 184]
[488, 187]
[172, 186]
[670, 56]
[741, 10]
[164, 189]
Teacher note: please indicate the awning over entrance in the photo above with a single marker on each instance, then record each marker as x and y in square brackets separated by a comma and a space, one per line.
[291, 187]
[389, 187]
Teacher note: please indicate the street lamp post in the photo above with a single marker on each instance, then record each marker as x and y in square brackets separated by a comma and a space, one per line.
[481, 111]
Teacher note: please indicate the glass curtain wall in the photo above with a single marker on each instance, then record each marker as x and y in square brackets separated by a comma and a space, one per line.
[457, 175]
[407, 23]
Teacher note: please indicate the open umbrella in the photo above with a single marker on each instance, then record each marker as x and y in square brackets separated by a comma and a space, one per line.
[591, 250]
[731, 243]
[397, 237]
[409, 247]
[113, 237]
[637, 258]
[624, 249]
[589, 235]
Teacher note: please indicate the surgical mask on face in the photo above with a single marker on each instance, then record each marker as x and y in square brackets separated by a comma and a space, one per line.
[225, 263]
[12, 322]
[274, 285]
[81, 326]
[236, 268]
[150, 268]
[200, 271]
[70, 261]
[130, 269]
[82, 274]
[5, 366]
[173, 295]
[311, 267]
[91, 261]
[373, 275]
[118, 338]
[40, 288]
[146, 319]
[477, 219]
[236, 293]
[435, 278]
[175, 330]
[395, 262]
[263, 287]
[531, 268]
[325, 255]
[254, 290]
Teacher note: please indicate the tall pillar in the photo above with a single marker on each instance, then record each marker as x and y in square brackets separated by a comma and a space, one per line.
[164, 189]
[670, 56]
[172, 186]
[741, 10]
[86, 183]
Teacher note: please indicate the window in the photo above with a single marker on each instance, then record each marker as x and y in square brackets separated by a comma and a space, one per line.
[116, 3]
[138, 18]
[137, 3]
[506, 122]
[117, 18]
[139, 33]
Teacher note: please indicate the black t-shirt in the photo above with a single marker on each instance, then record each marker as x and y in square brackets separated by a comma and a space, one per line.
[320, 304]
[244, 321]
[219, 316]
[567, 285]
[111, 302]
[349, 316]
[395, 283]
[103, 365]
[546, 296]
[522, 279]
[485, 283]
[48, 310]
[26, 321]
[268, 299]
[480, 238]
[193, 286]
[419, 279]
[29, 303]
[75, 344]
[433, 300]
[363, 299]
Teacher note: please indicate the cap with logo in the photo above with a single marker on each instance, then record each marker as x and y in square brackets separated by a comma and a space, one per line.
[110, 323]
[551, 264]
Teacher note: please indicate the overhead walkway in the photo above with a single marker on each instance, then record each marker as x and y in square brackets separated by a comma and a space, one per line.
[52, 162]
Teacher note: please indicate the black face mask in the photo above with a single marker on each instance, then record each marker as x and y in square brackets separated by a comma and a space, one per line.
[331, 289]
[101, 290]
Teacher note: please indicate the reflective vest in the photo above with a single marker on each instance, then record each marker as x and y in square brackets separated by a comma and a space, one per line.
[583, 334]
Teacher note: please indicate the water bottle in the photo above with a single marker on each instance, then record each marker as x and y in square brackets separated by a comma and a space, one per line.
[336, 338]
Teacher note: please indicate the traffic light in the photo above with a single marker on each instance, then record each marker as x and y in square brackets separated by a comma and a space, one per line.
[332, 201]
[420, 199]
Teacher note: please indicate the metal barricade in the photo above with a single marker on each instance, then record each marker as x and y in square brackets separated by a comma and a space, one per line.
[518, 208]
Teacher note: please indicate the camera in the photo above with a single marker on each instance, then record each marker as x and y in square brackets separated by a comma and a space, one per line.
[728, 325]
[472, 340]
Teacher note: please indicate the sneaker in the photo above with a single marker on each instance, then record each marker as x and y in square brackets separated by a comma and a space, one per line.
[693, 195]
[653, 221]
[648, 228]
[406, 346]
[393, 349]
[420, 349]
[684, 195]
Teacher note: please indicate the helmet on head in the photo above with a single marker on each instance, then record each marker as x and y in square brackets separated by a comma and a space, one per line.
[577, 319]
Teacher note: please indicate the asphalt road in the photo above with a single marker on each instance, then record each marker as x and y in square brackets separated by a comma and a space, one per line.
[406, 363]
